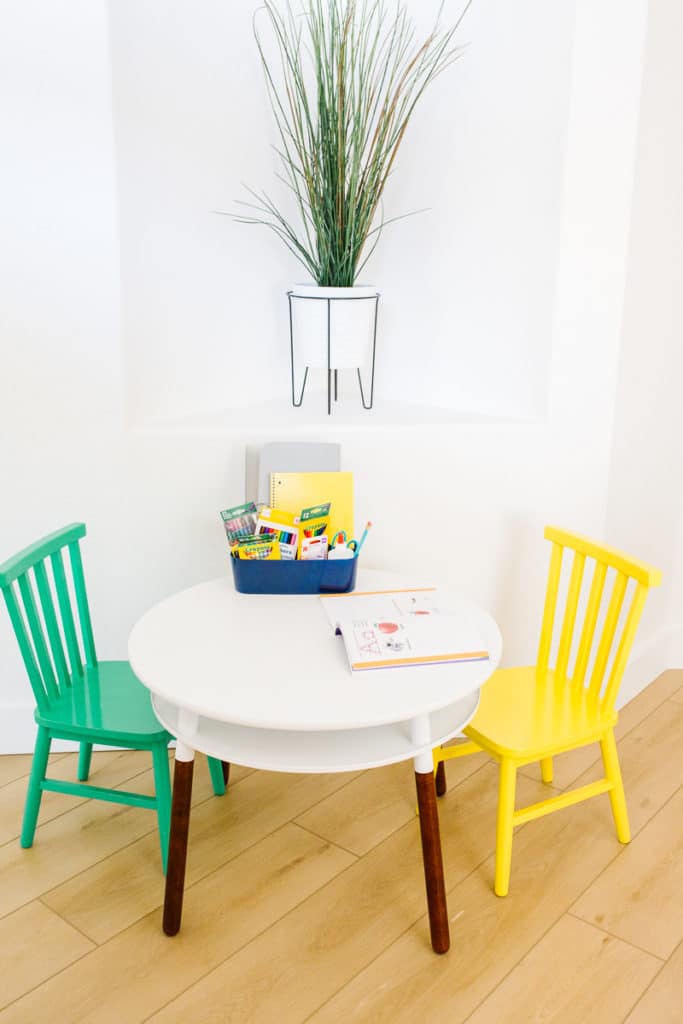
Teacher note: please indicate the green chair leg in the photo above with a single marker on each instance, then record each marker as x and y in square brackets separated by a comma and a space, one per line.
[35, 792]
[84, 755]
[162, 788]
[217, 777]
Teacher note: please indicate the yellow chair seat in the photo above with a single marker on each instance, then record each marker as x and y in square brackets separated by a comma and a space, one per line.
[528, 717]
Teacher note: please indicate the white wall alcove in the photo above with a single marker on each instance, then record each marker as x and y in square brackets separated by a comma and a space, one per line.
[467, 286]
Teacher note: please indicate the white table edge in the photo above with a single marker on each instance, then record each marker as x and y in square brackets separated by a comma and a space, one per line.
[304, 751]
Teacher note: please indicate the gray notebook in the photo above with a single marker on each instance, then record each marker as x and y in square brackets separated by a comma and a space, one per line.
[291, 457]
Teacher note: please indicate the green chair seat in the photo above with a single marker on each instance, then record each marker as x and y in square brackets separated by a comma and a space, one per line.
[108, 701]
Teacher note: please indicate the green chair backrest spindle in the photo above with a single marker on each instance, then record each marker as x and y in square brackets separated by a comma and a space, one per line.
[55, 651]
[592, 637]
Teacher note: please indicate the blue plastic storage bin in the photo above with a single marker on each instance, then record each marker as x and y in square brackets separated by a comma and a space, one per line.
[261, 576]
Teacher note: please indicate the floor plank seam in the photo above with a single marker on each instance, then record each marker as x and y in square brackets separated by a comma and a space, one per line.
[451, 788]
[359, 972]
[568, 910]
[54, 758]
[142, 835]
[293, 821]
[651, 983]
[422, 917]
[71, 924]
[516, 964]
[409, 926]
[619, 938]
[572, 782]
[547, 786]
[324, 839]
[127, 846]
[320, 800]
[257, 935]
[76, 806]
[70, 878]
[46, 981]
[149, 832]
[624, 846]
[299, 814]
[645, 717]
[393, 832]
[189, 887]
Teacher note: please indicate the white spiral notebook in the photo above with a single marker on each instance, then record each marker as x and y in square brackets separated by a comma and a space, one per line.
[403, 628]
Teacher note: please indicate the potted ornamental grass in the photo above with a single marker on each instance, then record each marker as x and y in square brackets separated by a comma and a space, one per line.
[343, 78]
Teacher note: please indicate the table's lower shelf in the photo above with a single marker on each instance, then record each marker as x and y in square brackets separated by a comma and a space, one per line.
[342, 750]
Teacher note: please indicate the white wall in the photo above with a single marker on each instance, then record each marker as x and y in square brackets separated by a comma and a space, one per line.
[150, 495]
[61, 383]
[59, 244]
[645, 512]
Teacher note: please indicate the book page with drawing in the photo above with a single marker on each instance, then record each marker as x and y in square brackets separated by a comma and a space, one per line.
[399, 628]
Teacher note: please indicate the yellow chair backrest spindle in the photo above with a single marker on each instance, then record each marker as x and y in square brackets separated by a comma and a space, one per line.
[590, 638]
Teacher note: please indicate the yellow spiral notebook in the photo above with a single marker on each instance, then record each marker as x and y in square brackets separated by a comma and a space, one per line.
[296, 491]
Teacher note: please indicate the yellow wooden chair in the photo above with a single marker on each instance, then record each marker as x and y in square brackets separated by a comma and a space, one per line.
[533, 713]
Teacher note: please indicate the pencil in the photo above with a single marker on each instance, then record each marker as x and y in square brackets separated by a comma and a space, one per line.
[362, 540]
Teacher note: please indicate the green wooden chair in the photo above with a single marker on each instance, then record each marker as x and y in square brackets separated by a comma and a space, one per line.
[78, 697]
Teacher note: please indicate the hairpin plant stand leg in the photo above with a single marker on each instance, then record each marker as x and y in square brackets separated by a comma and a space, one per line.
[177, 842]
[296, 402]
[368, 404]
[329, 367]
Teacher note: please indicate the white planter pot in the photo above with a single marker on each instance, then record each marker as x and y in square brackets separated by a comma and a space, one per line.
[346, 315]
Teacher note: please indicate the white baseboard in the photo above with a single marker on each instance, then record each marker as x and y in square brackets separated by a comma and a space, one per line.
[649, 660]
[676, 647]
[18, 731]
[663, 651]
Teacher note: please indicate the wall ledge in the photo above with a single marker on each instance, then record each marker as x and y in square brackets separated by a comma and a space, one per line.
[347, 414]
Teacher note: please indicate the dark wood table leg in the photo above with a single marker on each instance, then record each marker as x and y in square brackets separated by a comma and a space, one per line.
[177, 842]
[433, 862]
[226, 771]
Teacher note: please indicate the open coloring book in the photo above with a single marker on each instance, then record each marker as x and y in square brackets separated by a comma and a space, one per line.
[398, 628]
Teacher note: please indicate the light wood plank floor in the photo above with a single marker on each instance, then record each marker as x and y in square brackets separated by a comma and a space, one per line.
[305, 897]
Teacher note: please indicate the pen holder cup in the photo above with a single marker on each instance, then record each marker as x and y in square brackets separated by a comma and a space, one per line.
[262, 576]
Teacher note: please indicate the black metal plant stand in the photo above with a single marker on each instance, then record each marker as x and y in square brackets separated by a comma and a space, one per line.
[297, 402]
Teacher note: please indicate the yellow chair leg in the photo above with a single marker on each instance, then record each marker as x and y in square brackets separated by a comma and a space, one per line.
[610, 759]
[440, 779]
[547, 769]
[504, 828]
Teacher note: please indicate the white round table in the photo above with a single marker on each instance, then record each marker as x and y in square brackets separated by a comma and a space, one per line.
[262, 681]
